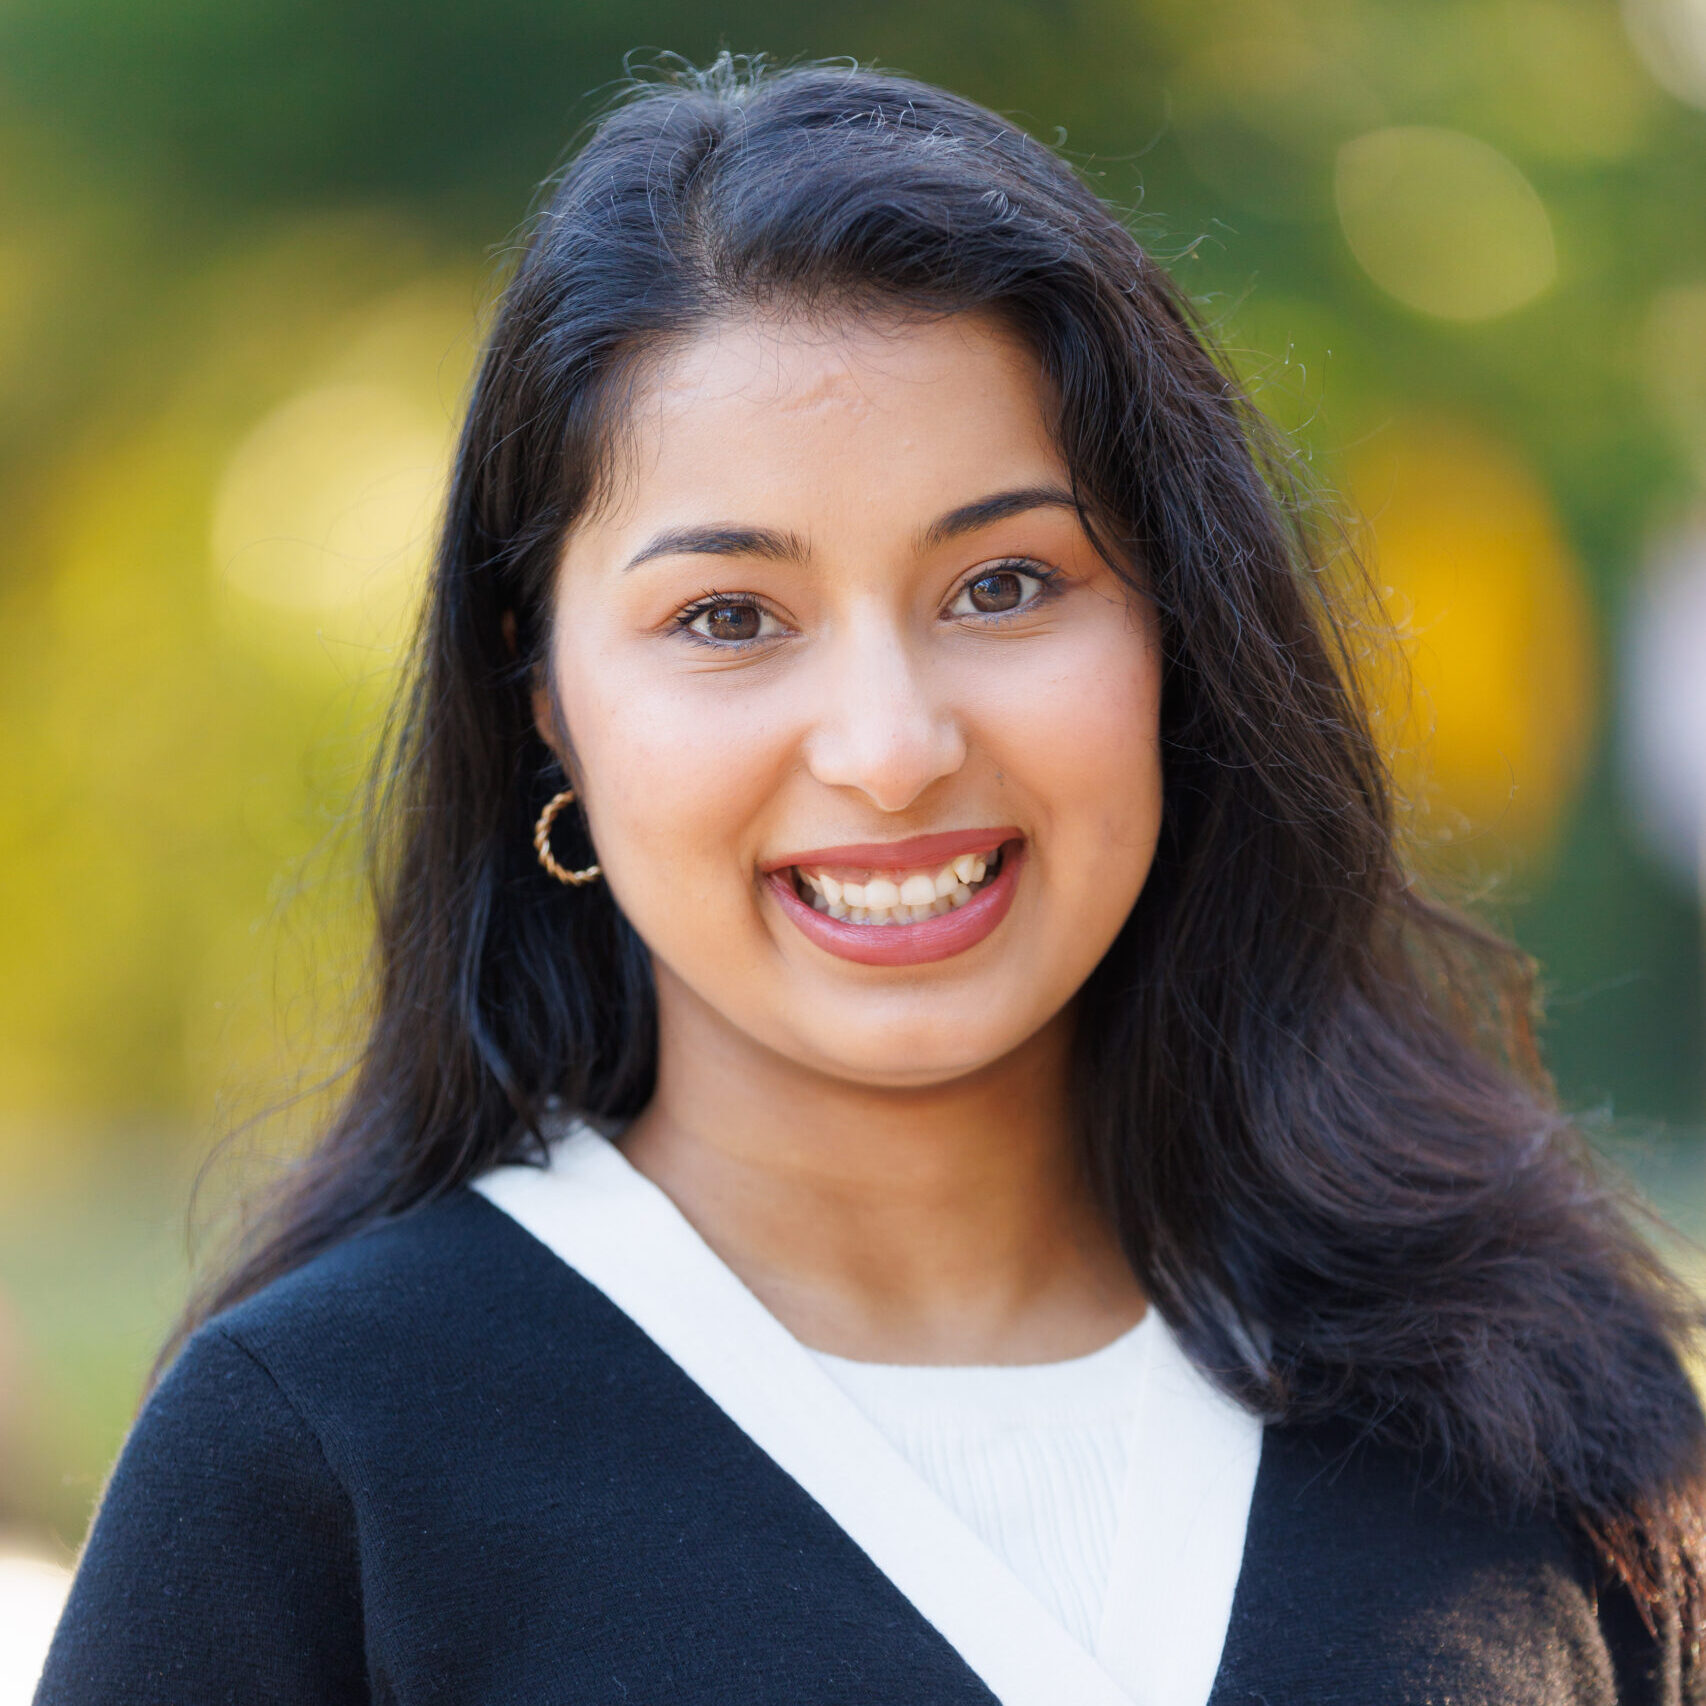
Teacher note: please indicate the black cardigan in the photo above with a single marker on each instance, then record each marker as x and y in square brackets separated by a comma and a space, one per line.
[436, 1465]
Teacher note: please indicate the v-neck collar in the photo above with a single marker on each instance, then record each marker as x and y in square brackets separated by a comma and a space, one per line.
[1179, 1547]
[622, 1234]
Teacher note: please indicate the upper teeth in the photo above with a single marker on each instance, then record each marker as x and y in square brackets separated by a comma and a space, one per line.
[897, 897]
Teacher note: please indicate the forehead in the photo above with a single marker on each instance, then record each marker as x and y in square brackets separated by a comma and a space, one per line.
[792, 410]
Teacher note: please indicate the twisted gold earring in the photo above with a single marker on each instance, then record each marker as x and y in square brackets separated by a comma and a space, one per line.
[542, 844]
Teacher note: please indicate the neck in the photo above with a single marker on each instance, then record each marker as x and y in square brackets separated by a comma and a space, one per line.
[948, 1224]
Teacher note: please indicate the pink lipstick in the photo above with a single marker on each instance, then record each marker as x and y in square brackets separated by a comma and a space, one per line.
[903, 944]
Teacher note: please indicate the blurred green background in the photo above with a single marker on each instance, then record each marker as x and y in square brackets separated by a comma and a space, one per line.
[1458, 247]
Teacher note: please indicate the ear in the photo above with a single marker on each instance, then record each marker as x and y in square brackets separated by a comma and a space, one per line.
[544, 712]
[545, 720]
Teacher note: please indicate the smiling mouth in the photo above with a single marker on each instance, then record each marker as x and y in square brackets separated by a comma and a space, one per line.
[877, 897]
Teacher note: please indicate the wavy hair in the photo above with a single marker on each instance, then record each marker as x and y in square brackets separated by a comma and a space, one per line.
[1310, 1097]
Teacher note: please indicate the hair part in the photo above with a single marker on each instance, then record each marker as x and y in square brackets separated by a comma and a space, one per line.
[1311, 1097]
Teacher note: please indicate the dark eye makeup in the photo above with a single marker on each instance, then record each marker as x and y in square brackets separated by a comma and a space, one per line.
[724, 619]
[1004, 588]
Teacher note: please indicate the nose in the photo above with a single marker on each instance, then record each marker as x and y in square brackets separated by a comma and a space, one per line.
[880, 727]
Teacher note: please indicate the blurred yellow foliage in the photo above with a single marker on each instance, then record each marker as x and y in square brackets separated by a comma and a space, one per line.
[1493, 723]
[223, 577]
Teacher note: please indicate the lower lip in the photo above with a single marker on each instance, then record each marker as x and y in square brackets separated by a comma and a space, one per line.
[907, 944]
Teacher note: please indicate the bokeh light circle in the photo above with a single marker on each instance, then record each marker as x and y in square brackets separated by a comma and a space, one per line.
[1491, 723]
[1670, 37]
[1443, 222]
[329, 501]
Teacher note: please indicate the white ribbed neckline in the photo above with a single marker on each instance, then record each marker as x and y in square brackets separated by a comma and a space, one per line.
[1033, 1458]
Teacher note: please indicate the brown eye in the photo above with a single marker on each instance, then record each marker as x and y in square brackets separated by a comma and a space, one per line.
[729, 621]
[1003, 590]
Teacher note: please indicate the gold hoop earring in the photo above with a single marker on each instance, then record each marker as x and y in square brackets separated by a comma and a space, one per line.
[542, 844]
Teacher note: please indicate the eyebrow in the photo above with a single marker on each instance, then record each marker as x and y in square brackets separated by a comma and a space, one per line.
[720, 539]
[729, 539]
[998, 506]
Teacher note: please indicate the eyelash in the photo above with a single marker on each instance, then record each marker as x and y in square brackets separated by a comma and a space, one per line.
[1029, 567]
[710, 601]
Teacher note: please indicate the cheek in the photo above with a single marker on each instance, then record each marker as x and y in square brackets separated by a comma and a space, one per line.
[675, 774]
[1082, 738]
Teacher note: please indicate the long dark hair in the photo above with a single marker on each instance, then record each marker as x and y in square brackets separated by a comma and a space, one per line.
[1310, 1096]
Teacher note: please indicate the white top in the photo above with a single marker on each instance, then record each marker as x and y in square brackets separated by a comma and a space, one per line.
[1179, 1533]
[1032, 1459]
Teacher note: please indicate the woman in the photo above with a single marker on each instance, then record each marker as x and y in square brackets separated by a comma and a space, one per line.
[916, 1142]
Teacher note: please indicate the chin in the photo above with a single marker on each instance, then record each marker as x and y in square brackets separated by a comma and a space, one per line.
[896, 1057]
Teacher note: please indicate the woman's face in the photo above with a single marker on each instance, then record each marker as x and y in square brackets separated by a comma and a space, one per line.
[865, 730]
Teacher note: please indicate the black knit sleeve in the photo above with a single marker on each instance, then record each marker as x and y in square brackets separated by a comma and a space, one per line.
[222, 1563]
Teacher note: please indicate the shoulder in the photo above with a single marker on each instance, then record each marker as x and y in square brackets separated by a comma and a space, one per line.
[1413, 1585]
[385, 1391]
[455, 1252]
[1402, 1526]
[446, 1332]
[449, 1285]
[368, 1328]
[222, 1559]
